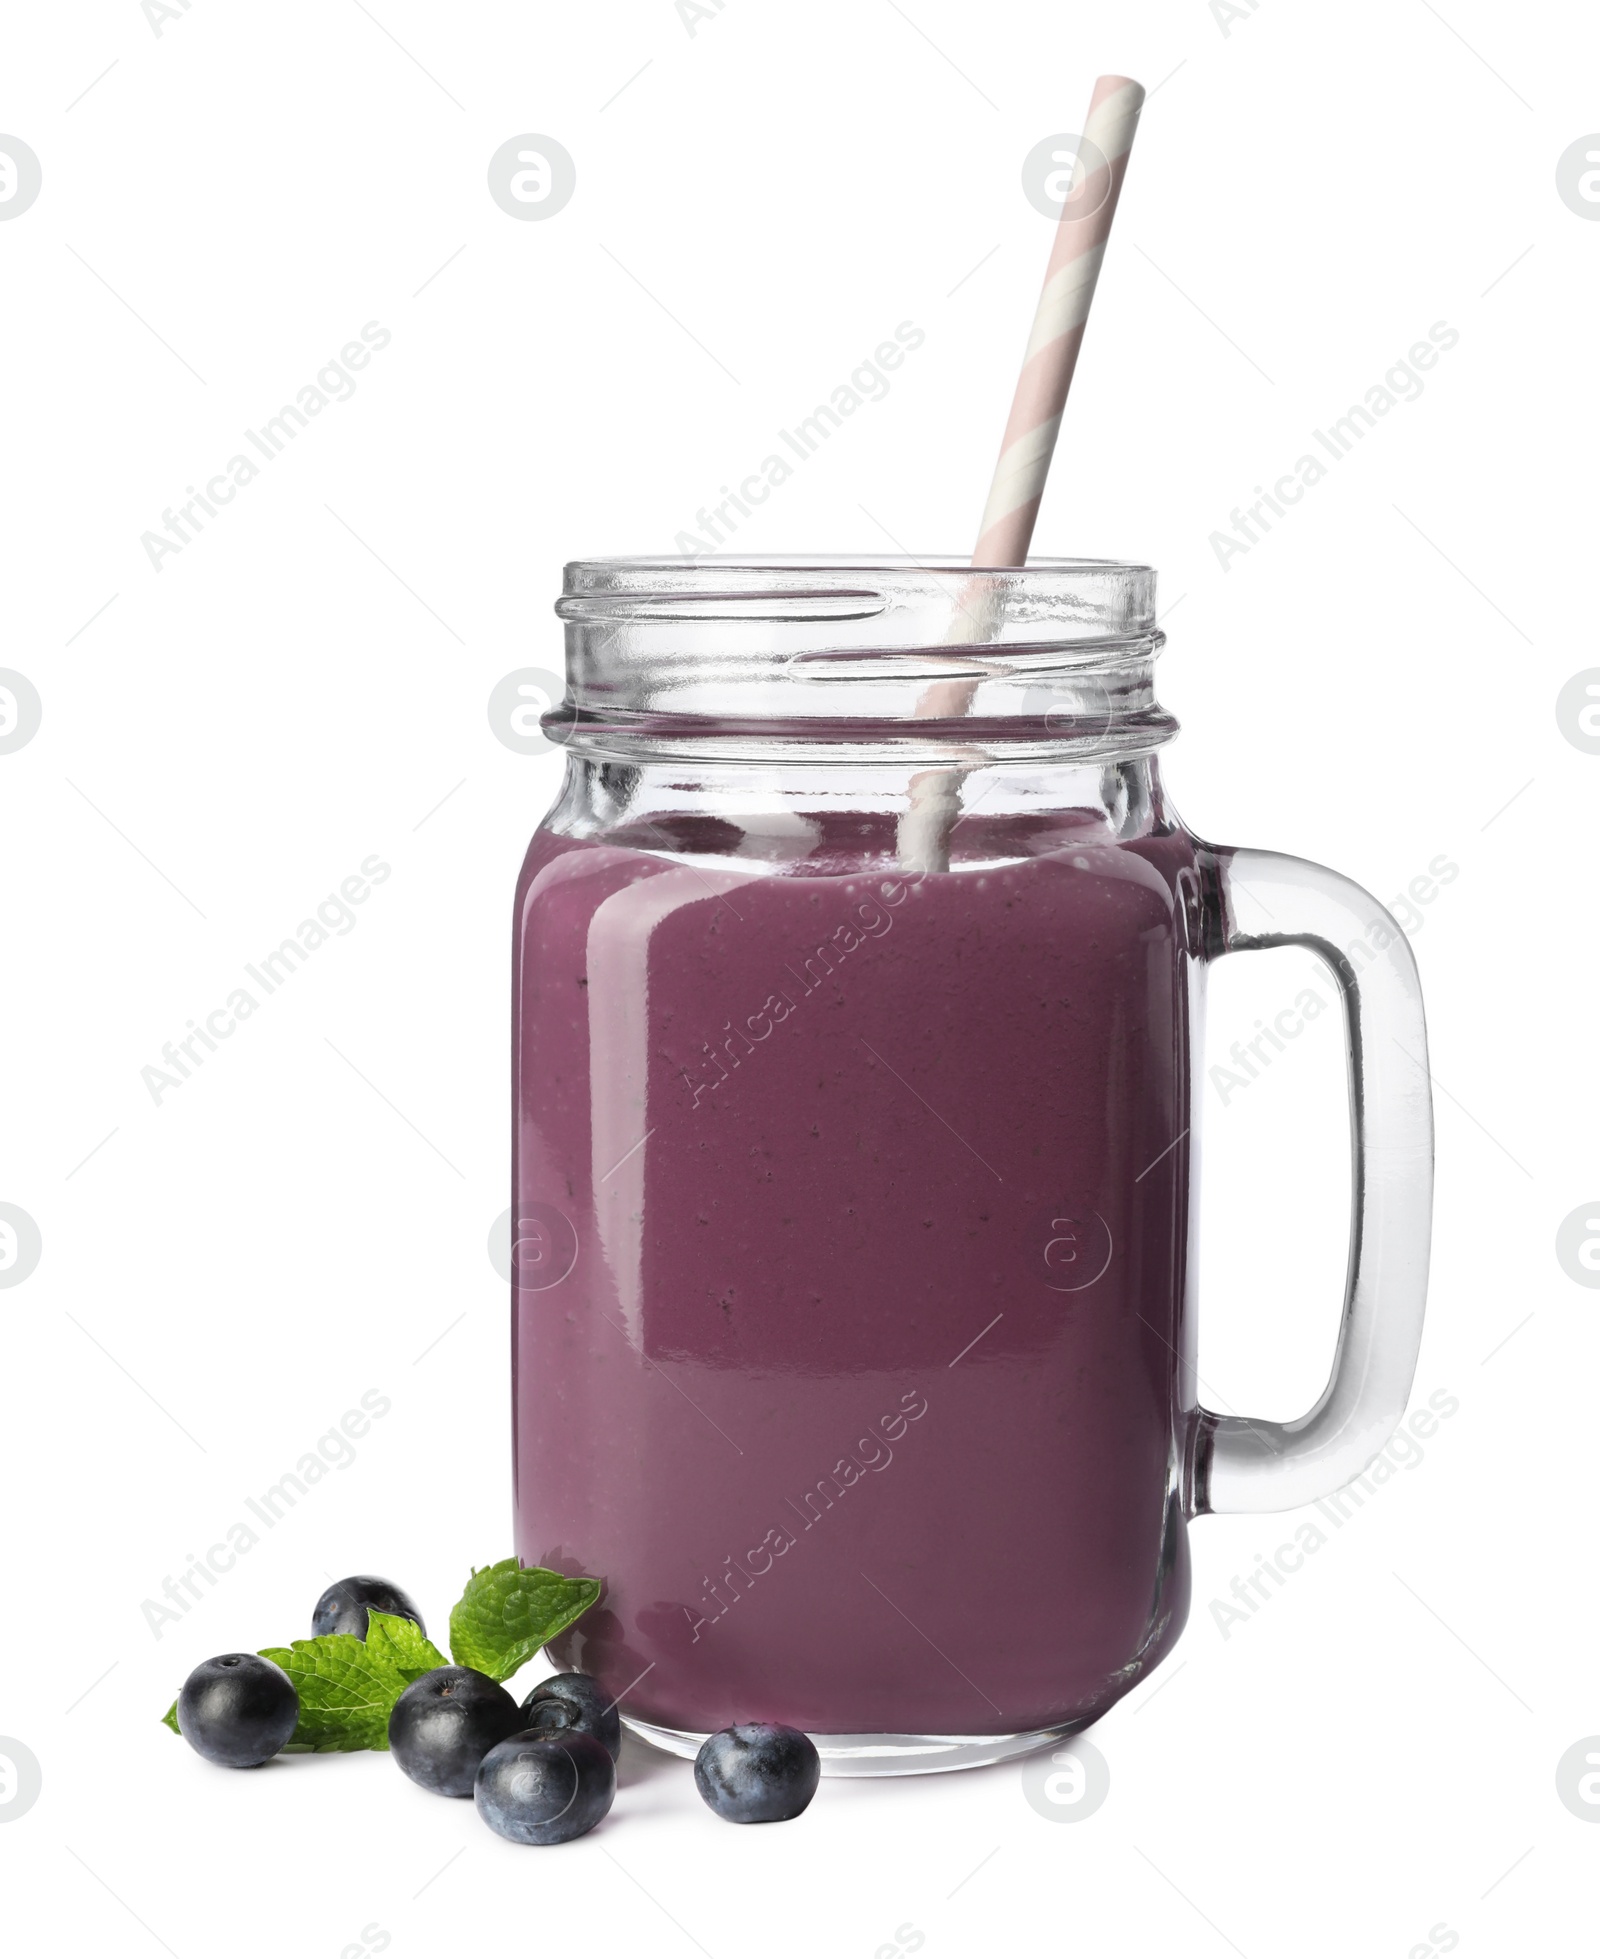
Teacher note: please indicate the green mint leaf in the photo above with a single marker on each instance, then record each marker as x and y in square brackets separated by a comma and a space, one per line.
[170, 1718]
[404, 1644]
[507, 1613]
[346, 1690]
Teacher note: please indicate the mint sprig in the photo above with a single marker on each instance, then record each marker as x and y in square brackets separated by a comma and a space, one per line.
[348, 1686]
[509, 1611]
[346, 1690]
[404, 1644]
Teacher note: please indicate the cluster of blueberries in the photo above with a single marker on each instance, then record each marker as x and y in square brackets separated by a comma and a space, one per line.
[544, 1772]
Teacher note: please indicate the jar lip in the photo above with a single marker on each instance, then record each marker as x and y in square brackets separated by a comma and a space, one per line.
[582, 573]
[930, 654]
[1078, 598]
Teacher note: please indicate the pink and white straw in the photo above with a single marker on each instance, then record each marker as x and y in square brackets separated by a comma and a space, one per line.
[1052, 355]
[933, 806]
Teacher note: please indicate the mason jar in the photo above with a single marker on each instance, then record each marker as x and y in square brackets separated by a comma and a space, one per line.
[858, 993]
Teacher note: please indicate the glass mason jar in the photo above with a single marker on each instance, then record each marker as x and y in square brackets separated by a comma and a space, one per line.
[858, 991]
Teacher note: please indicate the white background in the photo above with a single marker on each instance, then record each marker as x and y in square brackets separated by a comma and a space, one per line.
[1357, 1767]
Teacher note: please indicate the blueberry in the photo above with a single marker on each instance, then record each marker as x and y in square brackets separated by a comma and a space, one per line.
[444, 1724]
[575, 1703]
[343, 1607]
[545, 1788]
[754, 1772]
[238, 1709]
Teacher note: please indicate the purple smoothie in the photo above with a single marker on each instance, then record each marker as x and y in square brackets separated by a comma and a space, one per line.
[856, 1205]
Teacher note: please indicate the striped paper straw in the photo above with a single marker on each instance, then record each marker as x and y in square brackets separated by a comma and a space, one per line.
[1080, 244]
[934, 804]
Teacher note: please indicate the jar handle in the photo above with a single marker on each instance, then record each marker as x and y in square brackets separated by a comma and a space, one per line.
[1244, 1464]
